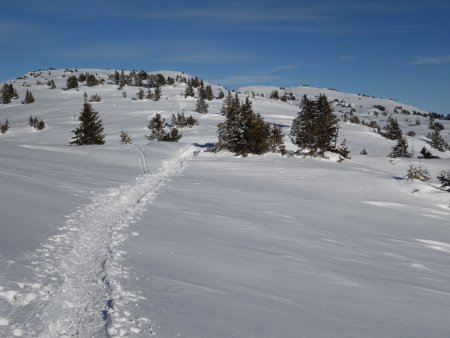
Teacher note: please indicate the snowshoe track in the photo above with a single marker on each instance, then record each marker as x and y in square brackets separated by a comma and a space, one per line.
[81, 266]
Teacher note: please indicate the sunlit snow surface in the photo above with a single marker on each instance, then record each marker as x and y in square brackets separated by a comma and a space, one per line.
[169, 240]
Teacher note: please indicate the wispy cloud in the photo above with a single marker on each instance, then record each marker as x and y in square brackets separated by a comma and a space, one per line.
[282, 68]
[431, 60]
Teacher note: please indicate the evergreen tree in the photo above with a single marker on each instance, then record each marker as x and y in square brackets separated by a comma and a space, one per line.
[277, 140]
[316, 128]
[156, 126]
[392, 129]
[125, 138]
[72, 82]
[90, 130]
[140, 94]
[157, 94]
[189, 91]
[29, 97]
[202, 106]
[327, 125]
[444, 179]
[221, 94]
[91, 80]
[82, 77]
[400, 149]
[40, 125]
[304, 127]
[437, 141]
[209, 93]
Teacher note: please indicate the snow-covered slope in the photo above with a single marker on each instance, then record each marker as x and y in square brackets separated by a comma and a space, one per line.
[166, 239]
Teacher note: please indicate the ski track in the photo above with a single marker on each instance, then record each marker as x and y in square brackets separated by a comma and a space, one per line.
[76, 289]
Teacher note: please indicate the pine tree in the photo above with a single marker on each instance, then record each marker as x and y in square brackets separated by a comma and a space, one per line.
[189, 91]
[304, 127]
[90, 130]
[392, 129]
[202, 106]
[72, 82]
[277, 140]
[400, 149]
[125, 138]
[444, 179]
[157, 94]
[221, 94]
[327, 125]
[437, 141]
[40, 125]
[209, 93]
[140, 94]
[156, 126]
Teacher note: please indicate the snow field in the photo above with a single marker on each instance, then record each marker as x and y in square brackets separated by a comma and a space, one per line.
[263, 246]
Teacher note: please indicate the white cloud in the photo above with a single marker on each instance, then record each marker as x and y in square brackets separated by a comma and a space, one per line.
[431, 60]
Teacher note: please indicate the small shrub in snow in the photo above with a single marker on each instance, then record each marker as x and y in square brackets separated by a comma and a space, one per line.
[125, 138]
[426, 154]
[4, 127]
[363, 151]
[95, 98]
[418, 173]
[51, 84]
[411, 133]
[182, 121]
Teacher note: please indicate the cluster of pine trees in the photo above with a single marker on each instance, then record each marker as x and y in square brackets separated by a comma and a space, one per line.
[315, 129]
[36, 123]
[392, 131]
[181, 121]
[8, 92]
[141, 79]
[161, 131]
[29, 98]
[245, 132]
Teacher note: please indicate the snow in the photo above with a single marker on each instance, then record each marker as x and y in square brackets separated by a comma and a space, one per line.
[170, 240]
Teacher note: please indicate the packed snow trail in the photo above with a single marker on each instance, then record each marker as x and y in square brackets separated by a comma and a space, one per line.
[84, 264]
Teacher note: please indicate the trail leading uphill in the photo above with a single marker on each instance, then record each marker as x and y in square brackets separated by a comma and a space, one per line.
[81, 266]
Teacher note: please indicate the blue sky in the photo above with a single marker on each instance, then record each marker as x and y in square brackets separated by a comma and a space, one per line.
[396, 48]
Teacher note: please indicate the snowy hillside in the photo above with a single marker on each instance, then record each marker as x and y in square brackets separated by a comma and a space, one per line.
[168, 239]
